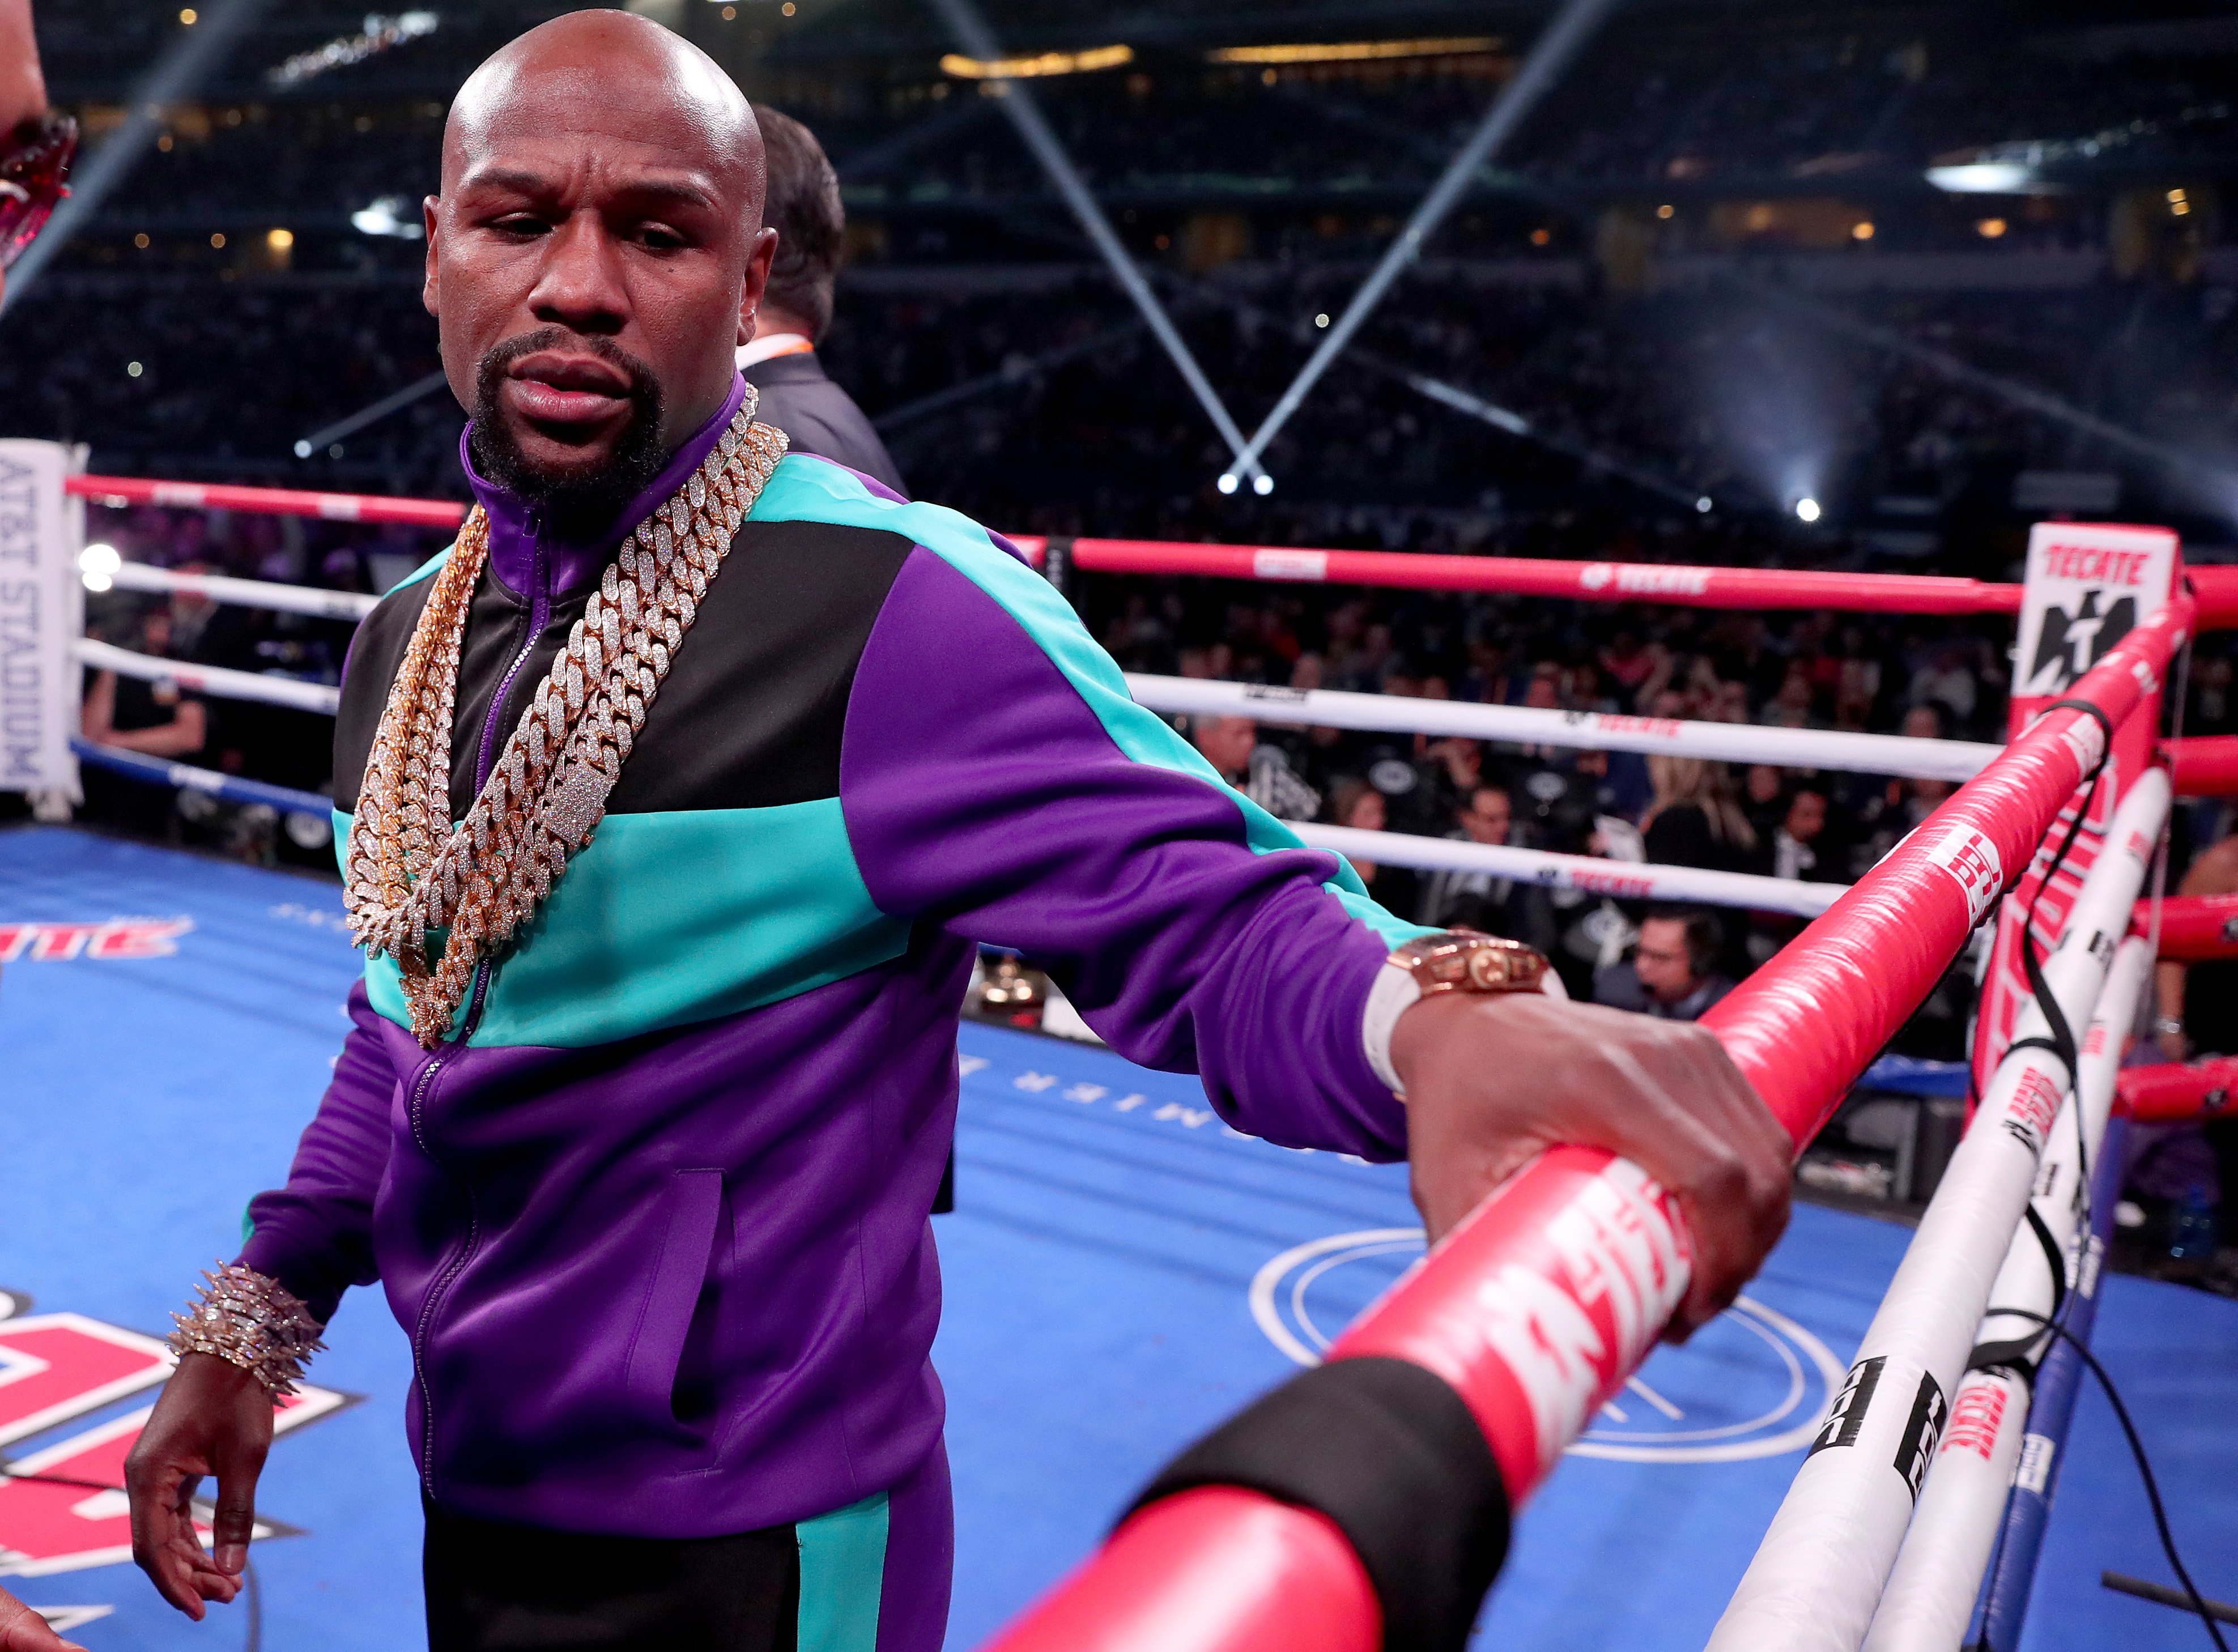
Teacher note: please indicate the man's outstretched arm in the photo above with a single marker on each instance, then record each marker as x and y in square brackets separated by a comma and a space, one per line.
[214, 1419]
[997, 780]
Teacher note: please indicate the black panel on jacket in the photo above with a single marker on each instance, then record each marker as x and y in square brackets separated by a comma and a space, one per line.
[1393, 1455]
[751, 714]
[819, 417]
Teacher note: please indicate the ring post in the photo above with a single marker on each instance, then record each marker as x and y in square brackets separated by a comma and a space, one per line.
[2087, 585]
[42, 611]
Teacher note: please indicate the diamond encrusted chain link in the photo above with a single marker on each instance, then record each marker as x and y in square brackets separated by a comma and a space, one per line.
[409, 871]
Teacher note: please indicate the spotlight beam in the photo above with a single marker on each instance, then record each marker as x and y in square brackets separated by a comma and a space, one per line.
[1024, 112]
[1196, 291]
[2026, 397]
[417, 390]
[193, 54]
[1550, 55]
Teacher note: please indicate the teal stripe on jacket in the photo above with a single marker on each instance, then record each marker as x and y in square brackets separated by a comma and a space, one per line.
[808, 489]
[668, 919]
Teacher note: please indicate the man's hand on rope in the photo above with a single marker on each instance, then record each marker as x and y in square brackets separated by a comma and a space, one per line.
[22, 1629]
[1492, 1080]
[214, 1419]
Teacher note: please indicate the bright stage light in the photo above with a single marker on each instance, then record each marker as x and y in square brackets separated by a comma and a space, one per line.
[1703, 504]
[1807, 509]
[1263, 485]
[389, 215]
[1984, 178]
[1226, 482]
[97, 564]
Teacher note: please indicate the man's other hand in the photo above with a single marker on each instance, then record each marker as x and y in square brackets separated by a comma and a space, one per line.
[22, 1629]
[1493, 1080]
[214, 1419]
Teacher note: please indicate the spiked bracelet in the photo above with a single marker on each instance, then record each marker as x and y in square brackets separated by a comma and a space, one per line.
[254, 1322]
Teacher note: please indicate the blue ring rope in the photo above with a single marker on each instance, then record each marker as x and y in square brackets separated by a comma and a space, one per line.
[2002, 1607]
[232, 789]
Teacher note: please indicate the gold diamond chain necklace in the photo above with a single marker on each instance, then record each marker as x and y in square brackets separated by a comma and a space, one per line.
[408, 872]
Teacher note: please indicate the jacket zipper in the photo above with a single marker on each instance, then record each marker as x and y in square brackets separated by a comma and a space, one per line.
[539, 615]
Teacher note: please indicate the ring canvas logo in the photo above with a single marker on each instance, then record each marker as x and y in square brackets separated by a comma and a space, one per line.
[51, 942]
[62, 1505]
[1753, 1383]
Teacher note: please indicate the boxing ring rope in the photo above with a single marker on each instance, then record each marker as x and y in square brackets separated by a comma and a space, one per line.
[1826, 1559]
[1539, 1303]
[2201, 766]
[2196, 929]
[2214, 588]
[185, 777]
[352, 605]
[1930, 1596]
[2181, 1092]
[217, 680]
[1543, 1301]
[1586, 874]
[1872, 754]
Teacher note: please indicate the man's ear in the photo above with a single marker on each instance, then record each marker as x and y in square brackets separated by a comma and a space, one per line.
[428, 289]
[760, 253]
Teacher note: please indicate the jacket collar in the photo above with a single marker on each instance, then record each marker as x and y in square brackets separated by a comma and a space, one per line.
[512, 528]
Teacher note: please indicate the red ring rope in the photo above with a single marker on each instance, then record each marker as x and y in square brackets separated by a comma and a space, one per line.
[2196, 929]
[1760, 588]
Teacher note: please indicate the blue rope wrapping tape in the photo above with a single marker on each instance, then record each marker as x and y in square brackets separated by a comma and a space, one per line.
[1914, 1075]
[2002, 1605]
[231, 789]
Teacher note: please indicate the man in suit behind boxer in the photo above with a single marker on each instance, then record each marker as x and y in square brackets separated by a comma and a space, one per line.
[804, 209]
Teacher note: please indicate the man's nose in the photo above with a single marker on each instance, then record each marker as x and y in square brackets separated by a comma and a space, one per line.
[580, 284]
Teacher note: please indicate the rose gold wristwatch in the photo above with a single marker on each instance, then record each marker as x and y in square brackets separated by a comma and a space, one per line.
[1461, 961]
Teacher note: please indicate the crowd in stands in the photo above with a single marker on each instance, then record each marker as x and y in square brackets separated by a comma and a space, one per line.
[1930, 680]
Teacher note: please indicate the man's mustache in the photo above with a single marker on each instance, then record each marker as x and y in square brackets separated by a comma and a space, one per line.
[644, 388]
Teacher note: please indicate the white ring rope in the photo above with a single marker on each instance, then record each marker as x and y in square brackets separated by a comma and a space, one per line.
[208, 679]
[1623, 880]
[1872, 754]
[247, 593]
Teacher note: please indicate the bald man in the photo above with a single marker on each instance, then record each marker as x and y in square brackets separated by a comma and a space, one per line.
[677, 793]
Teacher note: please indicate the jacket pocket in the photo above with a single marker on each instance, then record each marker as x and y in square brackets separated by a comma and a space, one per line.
[671, 1293]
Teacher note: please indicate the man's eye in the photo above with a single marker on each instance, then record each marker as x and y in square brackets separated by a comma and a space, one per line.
[660, 239]
[519, 224]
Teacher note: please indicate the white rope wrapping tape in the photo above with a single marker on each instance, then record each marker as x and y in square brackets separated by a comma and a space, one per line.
[214, 680]
[1625, 880]
[247, 593]
[1929, 1601]
[1872, 754]
[1818, 1574]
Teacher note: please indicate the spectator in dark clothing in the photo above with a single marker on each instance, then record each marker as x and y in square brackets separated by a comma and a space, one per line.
[1696, 819]
[1672, 972]
[151, 718]
[803, 208]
